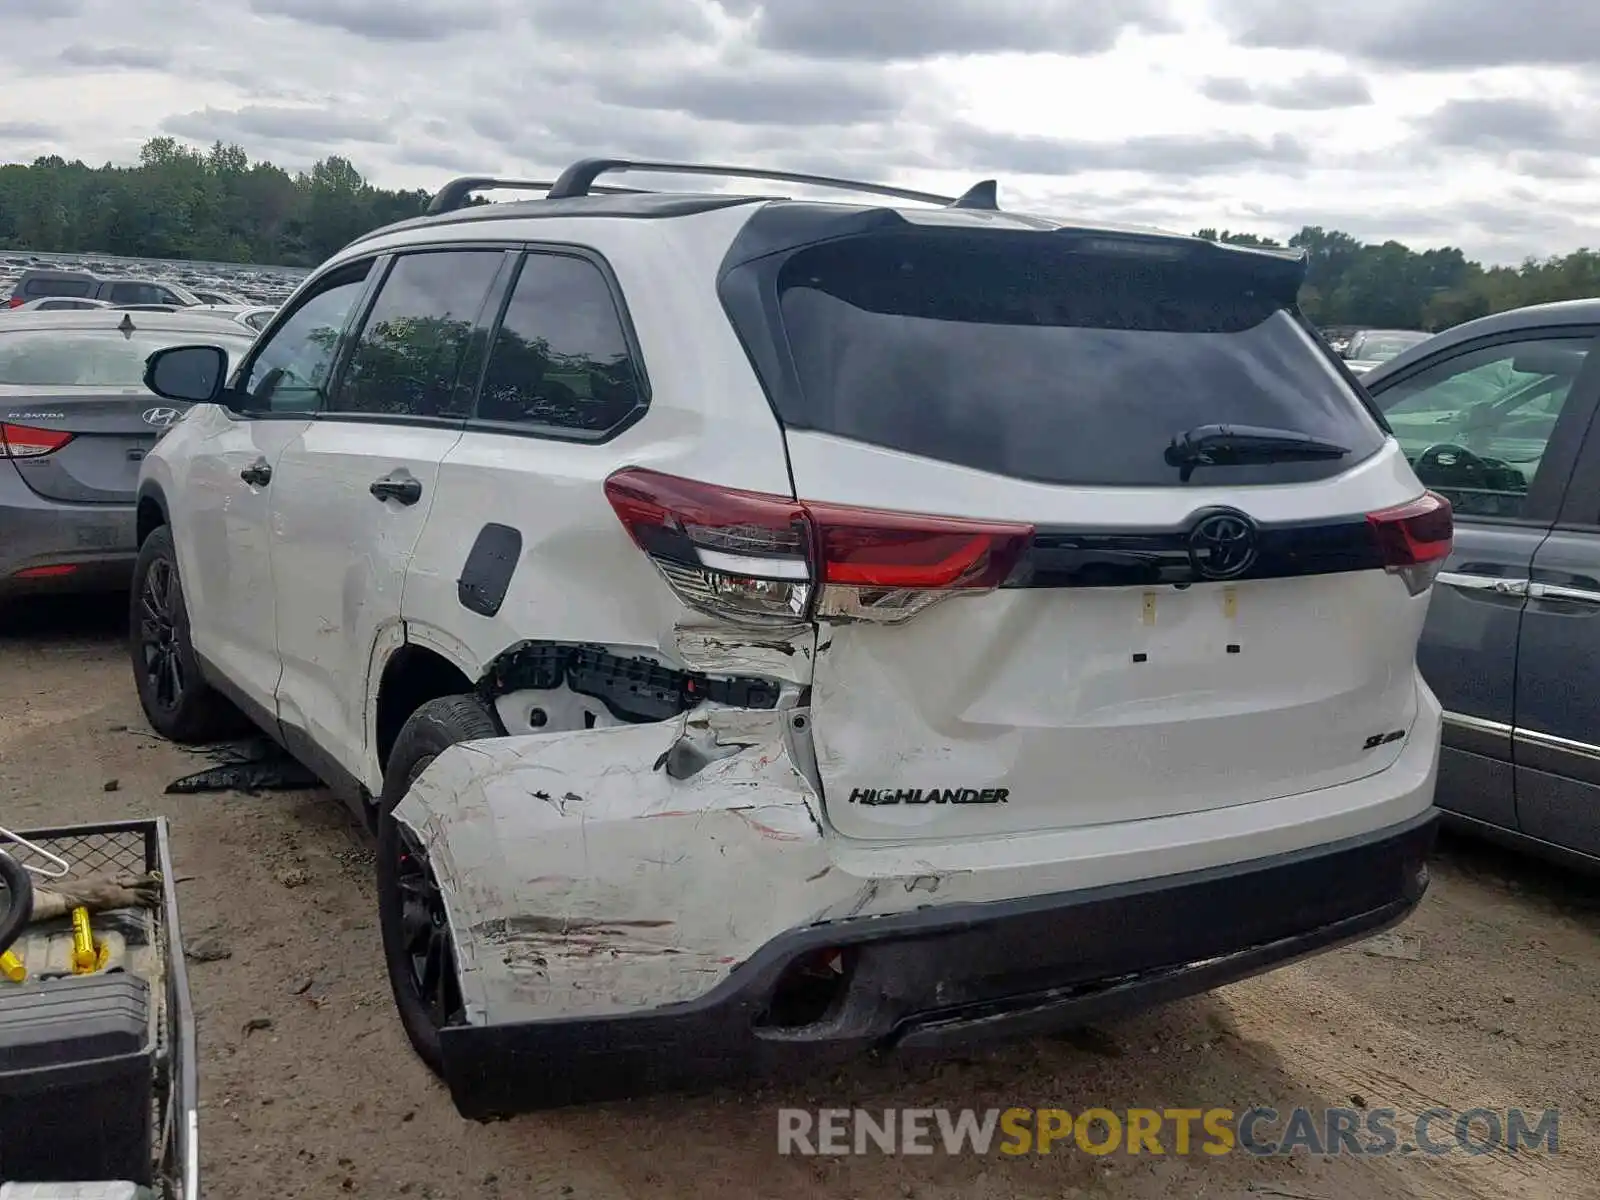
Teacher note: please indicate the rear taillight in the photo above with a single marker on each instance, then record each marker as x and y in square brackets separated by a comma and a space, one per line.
[752, 557]
[15, 302]
[1414, 539]
[24, 441]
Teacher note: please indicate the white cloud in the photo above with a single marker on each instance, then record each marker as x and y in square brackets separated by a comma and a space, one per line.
[1176, 112]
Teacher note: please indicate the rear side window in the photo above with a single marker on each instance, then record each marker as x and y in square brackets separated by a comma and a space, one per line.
[47, 285]
[1019, 355]
[138, 293]
[560, 359]
[416, 335]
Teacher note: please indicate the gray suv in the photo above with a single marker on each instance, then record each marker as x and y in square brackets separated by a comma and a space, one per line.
[84, 285]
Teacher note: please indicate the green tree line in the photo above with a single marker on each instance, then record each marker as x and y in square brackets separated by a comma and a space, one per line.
[1388, 285]
[216, 205]
[211, 206]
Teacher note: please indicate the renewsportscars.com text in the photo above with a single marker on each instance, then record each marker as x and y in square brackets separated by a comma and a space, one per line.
[1259, 1131]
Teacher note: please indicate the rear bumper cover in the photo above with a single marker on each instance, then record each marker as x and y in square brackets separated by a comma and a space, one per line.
[942, 978]
[97, 539]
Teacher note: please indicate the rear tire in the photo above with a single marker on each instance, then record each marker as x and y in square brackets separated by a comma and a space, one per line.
[417, 945]
[177, 701]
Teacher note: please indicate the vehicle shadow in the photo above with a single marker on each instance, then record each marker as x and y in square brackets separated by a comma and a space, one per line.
[42, 620]
[1553, 885]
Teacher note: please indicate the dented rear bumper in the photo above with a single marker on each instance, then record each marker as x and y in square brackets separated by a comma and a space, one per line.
[649, 963]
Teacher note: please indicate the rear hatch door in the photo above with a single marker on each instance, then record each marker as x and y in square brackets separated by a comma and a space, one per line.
[1168, 633]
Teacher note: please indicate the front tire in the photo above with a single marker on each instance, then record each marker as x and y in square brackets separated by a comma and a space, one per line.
[417, 945]
[176, 699]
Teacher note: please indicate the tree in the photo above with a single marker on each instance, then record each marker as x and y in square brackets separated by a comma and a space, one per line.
[215, 204]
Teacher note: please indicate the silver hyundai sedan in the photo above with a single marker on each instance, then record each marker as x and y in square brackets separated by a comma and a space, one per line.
[75, 421]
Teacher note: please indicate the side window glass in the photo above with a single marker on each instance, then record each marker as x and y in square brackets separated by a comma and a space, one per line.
[129, 293]
[1475, 427]
[560, 359]
[290, 369]
[410, 350]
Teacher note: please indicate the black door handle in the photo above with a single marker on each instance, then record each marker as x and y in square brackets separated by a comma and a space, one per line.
[403, 488]
[257, 474]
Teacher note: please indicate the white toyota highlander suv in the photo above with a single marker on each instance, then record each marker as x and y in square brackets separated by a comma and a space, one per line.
[760, 630]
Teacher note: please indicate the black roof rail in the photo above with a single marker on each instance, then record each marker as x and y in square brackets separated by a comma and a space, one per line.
[454, 194]
[578, 179]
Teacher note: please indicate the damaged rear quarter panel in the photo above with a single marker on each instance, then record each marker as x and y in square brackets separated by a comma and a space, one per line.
[582, 879]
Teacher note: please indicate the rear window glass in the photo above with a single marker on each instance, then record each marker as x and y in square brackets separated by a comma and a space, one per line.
[73, 358]
[57, 286]
[1015, 355]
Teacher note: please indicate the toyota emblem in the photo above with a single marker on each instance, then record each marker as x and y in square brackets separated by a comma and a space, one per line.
[161, 417]
[1222, 545]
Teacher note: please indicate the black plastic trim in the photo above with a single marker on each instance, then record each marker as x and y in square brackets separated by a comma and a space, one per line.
[1077, 558]
[295, 742]
[944, 977]
[150, 489]
[486, 575]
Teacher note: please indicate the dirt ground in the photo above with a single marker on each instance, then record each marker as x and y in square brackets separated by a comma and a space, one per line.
[310, 1090]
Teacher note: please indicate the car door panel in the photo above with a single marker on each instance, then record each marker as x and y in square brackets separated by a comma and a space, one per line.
[354, 490]
[223, 547]
[339, 563]
[1468, 656]
[1557, 741]
[224, 551]
[1557, 746]
[1493, 425]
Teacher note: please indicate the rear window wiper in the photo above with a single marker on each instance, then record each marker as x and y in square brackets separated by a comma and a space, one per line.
[1236, 445]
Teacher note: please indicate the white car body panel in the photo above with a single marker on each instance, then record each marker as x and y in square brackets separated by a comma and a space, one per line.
[339, 562]
[1032, 689]
[223, 533]
[582, 876]
[555, 872]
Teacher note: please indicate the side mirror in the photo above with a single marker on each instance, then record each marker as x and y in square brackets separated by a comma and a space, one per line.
[192, 374]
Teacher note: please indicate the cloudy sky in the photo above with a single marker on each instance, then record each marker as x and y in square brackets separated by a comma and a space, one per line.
[1466, 122]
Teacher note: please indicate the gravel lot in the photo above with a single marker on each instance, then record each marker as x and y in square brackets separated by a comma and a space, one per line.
[1499, 1008]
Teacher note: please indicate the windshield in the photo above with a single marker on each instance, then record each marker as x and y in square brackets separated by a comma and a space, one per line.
[1017, 356]
[98, 358]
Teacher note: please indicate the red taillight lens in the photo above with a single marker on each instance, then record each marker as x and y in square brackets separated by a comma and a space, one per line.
[15, 302]
[1414, 539]
[755, 557]
[23, 441]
